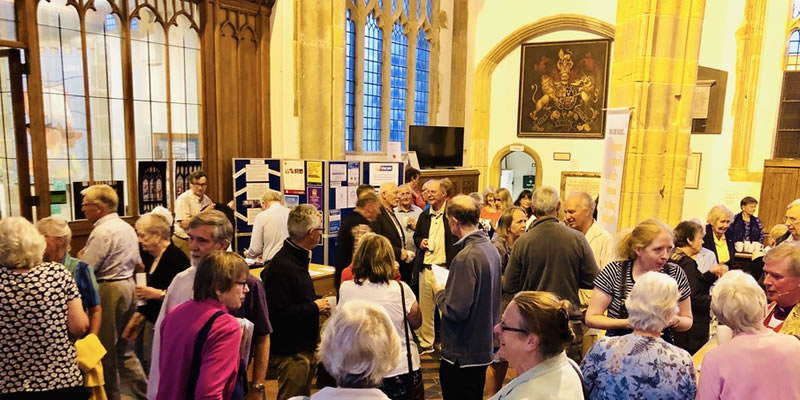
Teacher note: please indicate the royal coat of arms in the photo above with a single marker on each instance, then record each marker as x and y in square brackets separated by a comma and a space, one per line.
[563, 89]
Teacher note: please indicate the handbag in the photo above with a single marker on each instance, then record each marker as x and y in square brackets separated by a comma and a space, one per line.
[417, 389]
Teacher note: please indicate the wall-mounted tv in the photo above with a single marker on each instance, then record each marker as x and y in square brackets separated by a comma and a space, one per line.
[437, 146]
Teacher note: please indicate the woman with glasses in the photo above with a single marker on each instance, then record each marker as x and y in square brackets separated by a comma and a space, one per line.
[202, 337]
[533, 333]
[642, 365]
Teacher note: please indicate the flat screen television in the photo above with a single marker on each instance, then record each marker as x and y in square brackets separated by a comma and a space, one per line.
[437, 146]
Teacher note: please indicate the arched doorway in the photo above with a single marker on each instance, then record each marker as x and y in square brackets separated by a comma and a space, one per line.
[520, 162]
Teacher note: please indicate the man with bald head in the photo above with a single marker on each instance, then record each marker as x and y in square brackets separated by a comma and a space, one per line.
[578, 210]
[469, 303]
[792, 220]
[387, 225]
[436, 245]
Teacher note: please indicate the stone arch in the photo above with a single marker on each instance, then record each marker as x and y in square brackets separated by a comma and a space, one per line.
[502, 153]
[479, 134]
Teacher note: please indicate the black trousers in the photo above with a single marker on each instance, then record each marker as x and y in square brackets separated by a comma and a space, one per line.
[461, 383]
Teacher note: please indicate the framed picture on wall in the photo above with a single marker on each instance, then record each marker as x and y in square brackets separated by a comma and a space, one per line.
[693, 171]
[577, 181]
[563, 88]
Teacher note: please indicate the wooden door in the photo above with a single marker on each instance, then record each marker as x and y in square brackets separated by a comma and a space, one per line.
[779, 187]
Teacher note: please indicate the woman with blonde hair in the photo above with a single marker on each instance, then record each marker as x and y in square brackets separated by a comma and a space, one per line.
[646, 248]
[374, 267]
[642, 365]
[489, 210]
[717, 238]
[757, 362]
[502, 199]
[40, 312]
[533, 333]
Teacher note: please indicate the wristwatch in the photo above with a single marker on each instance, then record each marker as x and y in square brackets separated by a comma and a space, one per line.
[258, 387]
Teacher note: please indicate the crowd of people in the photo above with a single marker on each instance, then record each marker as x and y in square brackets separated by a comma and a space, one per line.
[534, 286]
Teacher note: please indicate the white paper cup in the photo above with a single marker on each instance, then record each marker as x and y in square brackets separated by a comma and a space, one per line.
[724, 334]
[739, 246]
[141, 280]
[332, 302]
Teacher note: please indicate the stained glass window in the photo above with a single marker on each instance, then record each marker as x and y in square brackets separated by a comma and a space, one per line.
[793, 61]
[421, 89]
[373, 58]
[349, 83]
[397, 122]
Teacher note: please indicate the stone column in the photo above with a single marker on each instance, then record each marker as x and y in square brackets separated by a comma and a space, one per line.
[654, 71]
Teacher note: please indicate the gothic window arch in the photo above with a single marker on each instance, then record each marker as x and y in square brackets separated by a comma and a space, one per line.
[390, 49]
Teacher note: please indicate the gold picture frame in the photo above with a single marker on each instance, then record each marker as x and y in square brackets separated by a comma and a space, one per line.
[578, 181]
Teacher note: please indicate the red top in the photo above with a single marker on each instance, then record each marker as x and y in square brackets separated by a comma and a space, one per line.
[417, 198]
[347, 274]
[220, 356]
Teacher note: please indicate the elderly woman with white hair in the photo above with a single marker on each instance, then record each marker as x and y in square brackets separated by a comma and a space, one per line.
[162, 260]
[359, 346]
[58, 237]
[642, 365]
[717, 237]
[40, 311]
[737, 368]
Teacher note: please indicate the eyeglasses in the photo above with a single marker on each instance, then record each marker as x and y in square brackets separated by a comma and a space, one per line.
[241, 283]
[87, 204]
[504, 328]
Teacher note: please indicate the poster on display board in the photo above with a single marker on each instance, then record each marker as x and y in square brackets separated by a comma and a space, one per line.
[380, 173]
[152, 185]
[184, 169]
[314, 173]
[294, 177]
[77, 197]
[314, 196]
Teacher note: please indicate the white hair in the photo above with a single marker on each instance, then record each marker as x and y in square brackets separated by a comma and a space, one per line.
[795, 202]
[653, 302]
[359, 345]
[21, 245]
[738, 302]
[56, 227]
[164, 212]
[717, 212]
[272, 195]
[154, 223]
[586, 198]
[545, 201]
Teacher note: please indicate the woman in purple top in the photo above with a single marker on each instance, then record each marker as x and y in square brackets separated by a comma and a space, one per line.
[219, 286]
[757, 363]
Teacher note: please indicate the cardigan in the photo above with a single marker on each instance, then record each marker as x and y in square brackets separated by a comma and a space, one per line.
[708, 242]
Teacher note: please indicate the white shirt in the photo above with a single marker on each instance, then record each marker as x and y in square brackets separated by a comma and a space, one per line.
[387, 296]
[602, 244]
[112, 249]
[556, 378]
[402, 216]
[187, 205]
[332, 393]
[180, 290]
[269, 232]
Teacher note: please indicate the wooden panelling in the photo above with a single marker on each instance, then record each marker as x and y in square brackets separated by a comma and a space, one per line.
[465, 180]
[236, 43]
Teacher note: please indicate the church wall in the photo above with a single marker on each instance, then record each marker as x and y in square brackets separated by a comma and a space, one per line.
[285, 134]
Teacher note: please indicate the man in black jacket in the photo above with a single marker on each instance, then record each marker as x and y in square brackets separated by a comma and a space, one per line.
[354, 225]
[293, 306]
[436, 245]
[387, 225]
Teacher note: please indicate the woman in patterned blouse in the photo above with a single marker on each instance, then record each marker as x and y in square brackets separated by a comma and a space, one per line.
[40, 309]
[642, 365]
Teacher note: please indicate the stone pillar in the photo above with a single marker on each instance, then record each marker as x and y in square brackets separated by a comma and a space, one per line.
[654, 71]
[319, 77]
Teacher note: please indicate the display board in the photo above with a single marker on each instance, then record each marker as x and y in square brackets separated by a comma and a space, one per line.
[343, 178]
[251, 176]
[376, 173]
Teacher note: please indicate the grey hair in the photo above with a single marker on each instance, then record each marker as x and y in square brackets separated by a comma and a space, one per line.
[587, 199]
[653, 302]
[359, 345]
[272, 195]
[718, 212]
[795, 202]
[738, 302]
[154, 223]
[21, 245]
[302, 219]
[222, 227]
[55, 227]
[104, 194]
[545, 201]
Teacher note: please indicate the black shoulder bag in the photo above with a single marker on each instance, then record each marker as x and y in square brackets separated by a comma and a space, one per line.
[199, 342]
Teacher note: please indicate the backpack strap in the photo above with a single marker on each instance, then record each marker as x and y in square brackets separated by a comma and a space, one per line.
[199, 342]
